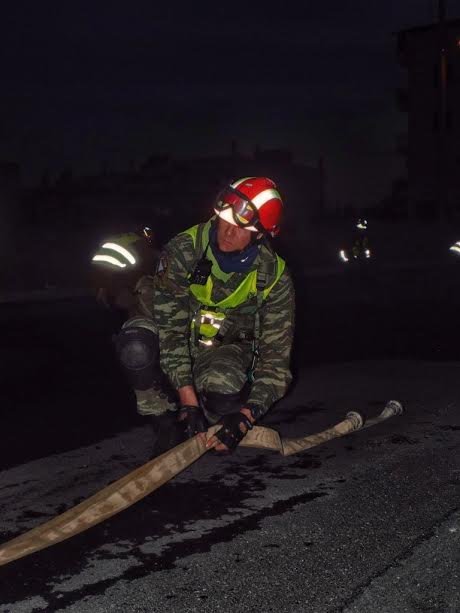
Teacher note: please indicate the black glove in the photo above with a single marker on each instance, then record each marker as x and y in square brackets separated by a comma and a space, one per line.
[230, 433]
[193, 419]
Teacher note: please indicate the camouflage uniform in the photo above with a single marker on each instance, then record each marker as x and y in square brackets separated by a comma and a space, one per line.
[222, 365]
[130, 288]
[126, 288]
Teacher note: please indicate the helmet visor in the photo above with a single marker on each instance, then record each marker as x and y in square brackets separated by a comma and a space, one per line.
[244, 211]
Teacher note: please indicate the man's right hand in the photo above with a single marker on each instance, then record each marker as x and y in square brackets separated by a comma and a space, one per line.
[192, 417]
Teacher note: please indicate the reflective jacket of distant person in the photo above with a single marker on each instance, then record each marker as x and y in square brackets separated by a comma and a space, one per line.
[121, 271]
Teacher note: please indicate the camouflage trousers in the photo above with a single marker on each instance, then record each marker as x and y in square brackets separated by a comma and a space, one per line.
[154, 401]
[222, 370]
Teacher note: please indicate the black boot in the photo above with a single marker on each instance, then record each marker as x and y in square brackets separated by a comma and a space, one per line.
[167, 433]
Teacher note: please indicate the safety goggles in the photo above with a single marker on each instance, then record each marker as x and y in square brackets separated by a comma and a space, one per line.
[244, 211]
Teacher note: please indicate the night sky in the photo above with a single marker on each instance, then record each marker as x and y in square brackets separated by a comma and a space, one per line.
[87, 83]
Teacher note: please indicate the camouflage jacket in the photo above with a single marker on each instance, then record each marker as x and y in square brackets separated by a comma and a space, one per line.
[173, 313]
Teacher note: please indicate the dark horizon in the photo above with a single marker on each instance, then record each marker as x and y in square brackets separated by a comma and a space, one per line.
[91, 86]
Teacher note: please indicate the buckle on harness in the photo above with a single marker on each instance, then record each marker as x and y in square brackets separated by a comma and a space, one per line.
[207, 326]
[211, 320]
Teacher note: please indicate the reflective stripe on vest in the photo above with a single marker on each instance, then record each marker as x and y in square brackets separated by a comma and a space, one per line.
[116, 252]
[203, 293]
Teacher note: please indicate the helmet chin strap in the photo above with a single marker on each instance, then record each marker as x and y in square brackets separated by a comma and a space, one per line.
[258, 237]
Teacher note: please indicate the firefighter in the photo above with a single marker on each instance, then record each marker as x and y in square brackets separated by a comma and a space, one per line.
[118, 269]
[224, 310]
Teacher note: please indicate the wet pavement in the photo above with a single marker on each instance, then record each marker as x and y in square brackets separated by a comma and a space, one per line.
[369, 522]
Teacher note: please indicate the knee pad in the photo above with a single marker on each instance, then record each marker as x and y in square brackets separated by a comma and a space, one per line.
[222, 404]
[138, 352]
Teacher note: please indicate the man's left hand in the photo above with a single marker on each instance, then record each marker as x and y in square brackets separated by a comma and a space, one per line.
[234, 427]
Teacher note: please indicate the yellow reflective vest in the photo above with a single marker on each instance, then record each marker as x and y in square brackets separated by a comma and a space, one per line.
[209, 316]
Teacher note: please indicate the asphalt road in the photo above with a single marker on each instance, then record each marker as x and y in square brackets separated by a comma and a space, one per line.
[366, 523]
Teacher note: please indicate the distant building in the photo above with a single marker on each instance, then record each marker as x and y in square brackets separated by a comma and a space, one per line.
[171, 194]
[10, 186]
[431, 55]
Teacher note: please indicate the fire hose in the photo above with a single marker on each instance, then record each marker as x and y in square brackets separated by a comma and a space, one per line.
[150, 476]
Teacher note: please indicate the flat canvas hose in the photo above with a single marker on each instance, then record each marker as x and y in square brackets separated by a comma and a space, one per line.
[147, 478]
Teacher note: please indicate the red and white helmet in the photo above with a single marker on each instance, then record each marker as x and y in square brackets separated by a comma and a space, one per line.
[252, 203]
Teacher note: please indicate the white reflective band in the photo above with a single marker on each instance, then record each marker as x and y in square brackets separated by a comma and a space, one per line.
[205, 342]
[343, 256]
[207, 319]
[235, 185]
[108, 259]
[210, 320]
[121, 250]
[265, 196]
[455, 248]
